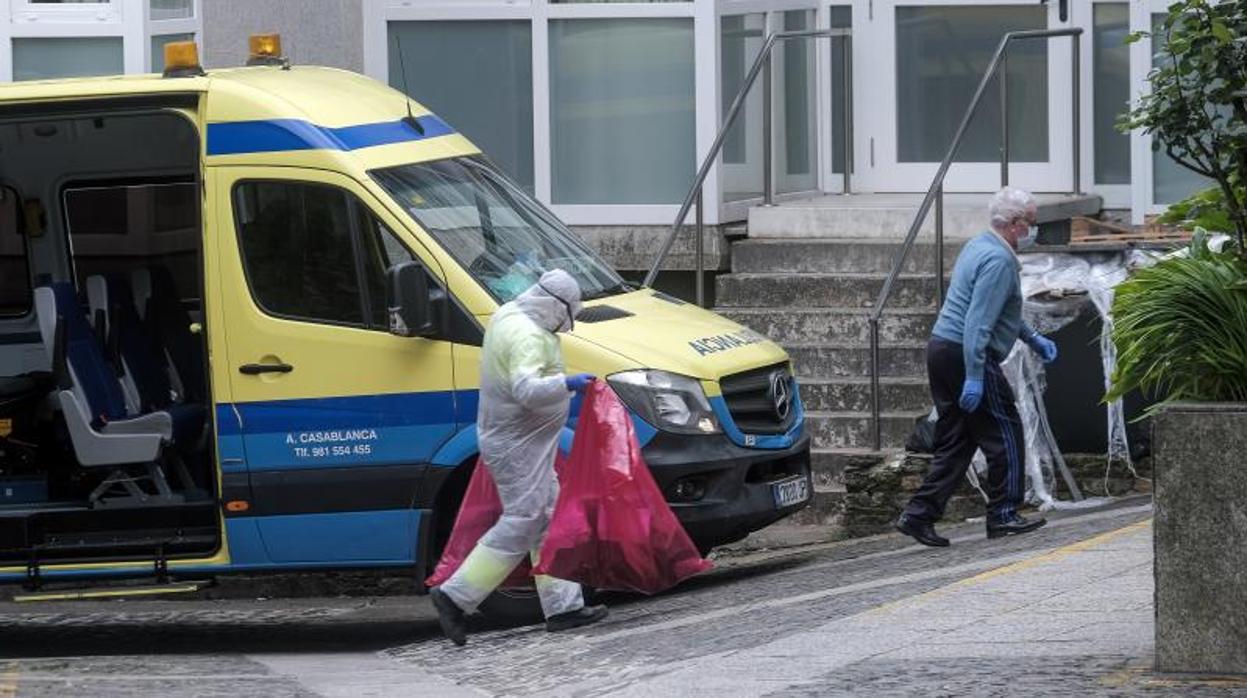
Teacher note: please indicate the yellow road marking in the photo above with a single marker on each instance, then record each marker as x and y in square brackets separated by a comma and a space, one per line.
[8, 684]
[1050, 556]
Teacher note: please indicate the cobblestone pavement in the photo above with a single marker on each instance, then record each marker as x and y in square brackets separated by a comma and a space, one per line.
[1066, 610]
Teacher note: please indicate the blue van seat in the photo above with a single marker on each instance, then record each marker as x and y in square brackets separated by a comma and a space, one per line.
[142, 357]
[92, 401]
[93, 375]
[164, 317]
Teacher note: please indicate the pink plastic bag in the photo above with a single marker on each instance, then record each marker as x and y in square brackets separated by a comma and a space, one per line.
[480, 510]
[612, 527]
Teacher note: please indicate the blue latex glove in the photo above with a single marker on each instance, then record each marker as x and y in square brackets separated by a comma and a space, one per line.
[579, 382]
[971, 395]
[1046, 348]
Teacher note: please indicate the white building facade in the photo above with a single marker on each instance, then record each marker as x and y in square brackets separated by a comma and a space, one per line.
[605, 109]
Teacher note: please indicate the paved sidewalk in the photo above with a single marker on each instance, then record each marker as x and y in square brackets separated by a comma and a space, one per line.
[1075, 620]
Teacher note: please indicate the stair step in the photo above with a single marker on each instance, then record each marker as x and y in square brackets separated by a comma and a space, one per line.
[830, 255]
[827, 465]
[822, 291]
[889, 216]
[851, 429]
[788, 325]
[853, 361]
[853, 394]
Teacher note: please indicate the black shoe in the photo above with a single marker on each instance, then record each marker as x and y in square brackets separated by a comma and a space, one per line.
[1014, 525]
[450, 616]
[575, 619]
[920, 531]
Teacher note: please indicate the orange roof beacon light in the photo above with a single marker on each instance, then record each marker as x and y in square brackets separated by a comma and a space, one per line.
[266, 50]
[182, 60]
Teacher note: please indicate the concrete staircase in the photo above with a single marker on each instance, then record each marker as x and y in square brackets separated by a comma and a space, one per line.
[805, 280]
[814, 296]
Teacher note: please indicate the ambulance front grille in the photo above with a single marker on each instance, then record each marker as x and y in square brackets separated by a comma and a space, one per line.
[763, 400]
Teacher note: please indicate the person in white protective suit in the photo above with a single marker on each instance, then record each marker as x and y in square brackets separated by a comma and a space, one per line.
[525, 397]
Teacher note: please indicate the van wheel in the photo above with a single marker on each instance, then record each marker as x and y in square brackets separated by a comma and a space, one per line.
[520, 606]
[514, 606]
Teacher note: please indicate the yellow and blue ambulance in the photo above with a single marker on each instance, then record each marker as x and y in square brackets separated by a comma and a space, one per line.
[241, 314]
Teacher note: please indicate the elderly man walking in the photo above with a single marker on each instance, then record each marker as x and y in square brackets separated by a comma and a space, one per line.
[977, 326]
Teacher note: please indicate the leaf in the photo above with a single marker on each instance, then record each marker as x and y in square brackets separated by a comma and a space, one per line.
[1221, 32]
[1135, 37]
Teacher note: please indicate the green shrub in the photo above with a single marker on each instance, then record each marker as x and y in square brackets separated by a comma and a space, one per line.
[1180, 328]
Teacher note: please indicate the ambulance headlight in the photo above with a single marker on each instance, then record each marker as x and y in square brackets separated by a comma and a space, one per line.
[668, 401]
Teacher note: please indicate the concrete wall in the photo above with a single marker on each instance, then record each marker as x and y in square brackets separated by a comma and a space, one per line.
[313, 32]
[1201, 539]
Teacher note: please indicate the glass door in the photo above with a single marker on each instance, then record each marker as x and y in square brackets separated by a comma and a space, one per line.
[1158, 179]
[926, 60]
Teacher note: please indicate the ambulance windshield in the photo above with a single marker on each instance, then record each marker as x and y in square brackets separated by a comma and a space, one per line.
[499, 233]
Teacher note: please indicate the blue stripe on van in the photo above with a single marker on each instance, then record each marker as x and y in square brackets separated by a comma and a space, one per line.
[338, 431]
[276, 135]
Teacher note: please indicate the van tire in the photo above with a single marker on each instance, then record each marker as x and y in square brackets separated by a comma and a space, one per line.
[519, 605]
[513, 607]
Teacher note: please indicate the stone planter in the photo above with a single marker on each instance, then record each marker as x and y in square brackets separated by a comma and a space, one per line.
[1201, 538]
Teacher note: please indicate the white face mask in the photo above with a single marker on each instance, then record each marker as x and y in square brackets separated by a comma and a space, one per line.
[1030, 238]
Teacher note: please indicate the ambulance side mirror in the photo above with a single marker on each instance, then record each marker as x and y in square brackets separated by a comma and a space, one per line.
[412, 303]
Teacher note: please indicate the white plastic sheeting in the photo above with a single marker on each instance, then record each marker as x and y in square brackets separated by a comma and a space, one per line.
[1055, 287]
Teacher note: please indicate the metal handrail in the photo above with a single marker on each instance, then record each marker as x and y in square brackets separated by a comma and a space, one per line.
[694, 196]
[935, 193]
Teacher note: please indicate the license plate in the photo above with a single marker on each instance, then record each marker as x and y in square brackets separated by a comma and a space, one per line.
[792, 491]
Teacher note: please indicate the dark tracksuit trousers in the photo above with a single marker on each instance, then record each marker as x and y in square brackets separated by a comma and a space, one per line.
[994, 427]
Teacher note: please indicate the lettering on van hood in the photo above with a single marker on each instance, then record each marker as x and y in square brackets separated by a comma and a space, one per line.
[724, 342]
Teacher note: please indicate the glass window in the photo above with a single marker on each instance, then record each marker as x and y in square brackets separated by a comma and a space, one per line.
[841, 18]
[740, 40]
[15, 293]
[296, 246]
[175, 207]
[498, 233]
[380, 249]
[495, 58]
[794, 106]
[1171, 182]
[1111, 84]
[158, 48]
[171, 9]
[622, 126]
[98, 210]
[941, 53]
[43, 59]
[115, 228]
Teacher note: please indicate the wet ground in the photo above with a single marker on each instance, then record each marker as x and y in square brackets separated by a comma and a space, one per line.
[1064, 610]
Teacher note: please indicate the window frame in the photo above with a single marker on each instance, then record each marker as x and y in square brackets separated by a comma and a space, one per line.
[29, 276]
[355, 206]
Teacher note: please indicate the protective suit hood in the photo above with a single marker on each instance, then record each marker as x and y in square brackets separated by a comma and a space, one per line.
[553, 302]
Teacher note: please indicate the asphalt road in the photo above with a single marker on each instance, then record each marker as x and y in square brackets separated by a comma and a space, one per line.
[747, 607]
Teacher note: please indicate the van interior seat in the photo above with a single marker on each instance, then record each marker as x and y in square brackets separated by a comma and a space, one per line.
[161, 312]
[91, 398]
[141, 356]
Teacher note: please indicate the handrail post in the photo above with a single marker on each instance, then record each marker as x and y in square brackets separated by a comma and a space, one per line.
[939, 245]
[1004, 119]
[701, 252]
[875, 425]
[847, 60]
[1076, 134]
[768, 186]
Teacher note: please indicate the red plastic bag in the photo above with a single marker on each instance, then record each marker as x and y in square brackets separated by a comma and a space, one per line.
[612, 528]
[480, 510]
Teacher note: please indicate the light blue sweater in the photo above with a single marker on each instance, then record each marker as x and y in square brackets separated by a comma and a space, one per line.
[983, 308]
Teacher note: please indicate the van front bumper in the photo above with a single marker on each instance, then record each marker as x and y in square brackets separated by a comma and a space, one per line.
[722, 492]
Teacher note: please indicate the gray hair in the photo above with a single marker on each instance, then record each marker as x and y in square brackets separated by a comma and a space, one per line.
[1008, 205]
